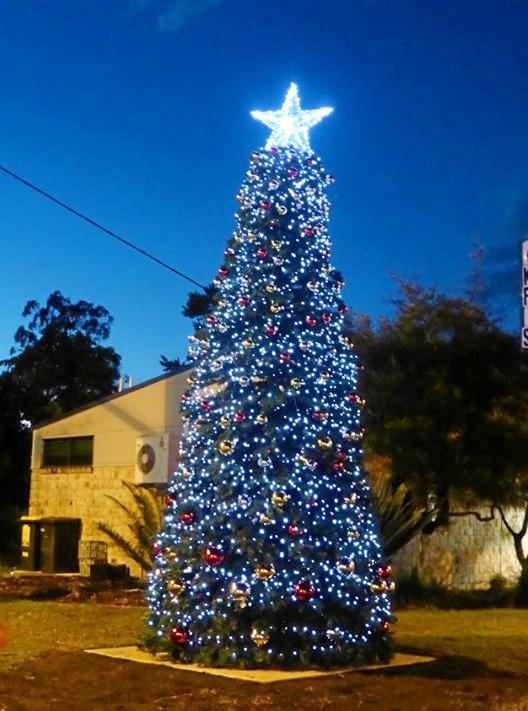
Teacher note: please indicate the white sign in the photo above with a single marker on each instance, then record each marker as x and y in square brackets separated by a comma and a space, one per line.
[524, 294]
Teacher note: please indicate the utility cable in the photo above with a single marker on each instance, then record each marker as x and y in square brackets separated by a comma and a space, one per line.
[100, 227]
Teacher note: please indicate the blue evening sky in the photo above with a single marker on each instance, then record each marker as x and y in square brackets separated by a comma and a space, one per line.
[137, 112]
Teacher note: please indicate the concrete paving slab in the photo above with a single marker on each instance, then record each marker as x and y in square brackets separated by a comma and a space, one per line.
[259, 676]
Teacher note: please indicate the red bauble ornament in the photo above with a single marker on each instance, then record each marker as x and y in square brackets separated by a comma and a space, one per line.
[229, 252]
[186, 396]
[384, 626]
[325, 318]
[213, 556]
[318, 415]
[169, 500]
[310, 160]
[270, 330]
[244, 300]
[223, 271]
[156, 549]
[384, 571]
[261, 252]
[295, 531]
[304, 590]
[239, 416]
[343, 309]
[274, 151]
[285, 357]
[337, 466]
[211, 320]
[178, 635]
[310, 321]
[292, 172]
[341, 455]
[352, 397]
[265, 204]
[308, 231]
[205, 406]
[188, 517]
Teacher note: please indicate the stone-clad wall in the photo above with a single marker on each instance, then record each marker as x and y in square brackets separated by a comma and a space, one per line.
[465, 555]
[84, 494]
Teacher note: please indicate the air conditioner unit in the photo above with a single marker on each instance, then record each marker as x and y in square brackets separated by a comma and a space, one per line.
[152, 459]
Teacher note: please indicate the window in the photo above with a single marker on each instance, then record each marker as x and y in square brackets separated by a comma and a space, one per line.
[68, 452]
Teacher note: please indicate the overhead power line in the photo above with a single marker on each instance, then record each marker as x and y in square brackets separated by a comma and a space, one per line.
[101, 227]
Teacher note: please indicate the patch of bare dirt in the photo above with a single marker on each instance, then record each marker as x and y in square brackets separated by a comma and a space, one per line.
[81, 682]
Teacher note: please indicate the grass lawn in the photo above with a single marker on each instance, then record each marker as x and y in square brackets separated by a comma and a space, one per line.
[43, 667]
[34, 627]
[498, 638]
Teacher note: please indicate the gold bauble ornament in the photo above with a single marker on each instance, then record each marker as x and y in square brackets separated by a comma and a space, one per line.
[224, 420]
[352, 533]
[383, 586]
[304, 345]
[275, 307]
[251, 235]
[350, 499]
[255, 156]
[264, 462]
[264, 572]
[270, 288]
[186, 473]
[265, 519]
[225, 446]
[273, 184]
[259, 637]
[325, 442]
[261, 419]
[312, 285]
[279, 498]
[190, 380]
[275, 244]
[296, 383]
[244, 381]
[282, 209]
[240, 593]
[251, 176]
[346, 565]
[325, 376]
[175, 586]
[248, 343]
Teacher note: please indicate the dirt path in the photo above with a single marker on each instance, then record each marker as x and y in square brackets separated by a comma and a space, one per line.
[79, 682]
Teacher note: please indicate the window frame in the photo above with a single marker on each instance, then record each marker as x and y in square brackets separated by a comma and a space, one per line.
[68, 464]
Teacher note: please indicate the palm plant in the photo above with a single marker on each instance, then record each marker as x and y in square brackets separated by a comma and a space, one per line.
[400, 518]
[143, 519]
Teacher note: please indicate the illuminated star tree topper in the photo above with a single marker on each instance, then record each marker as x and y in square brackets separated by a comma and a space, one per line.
[290, 124]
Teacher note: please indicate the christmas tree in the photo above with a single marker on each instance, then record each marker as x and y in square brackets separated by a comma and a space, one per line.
[269, 553]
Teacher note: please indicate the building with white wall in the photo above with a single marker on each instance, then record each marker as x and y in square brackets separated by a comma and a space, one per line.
[85, 455]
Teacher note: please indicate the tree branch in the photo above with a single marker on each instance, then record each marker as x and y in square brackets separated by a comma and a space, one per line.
[477, 514]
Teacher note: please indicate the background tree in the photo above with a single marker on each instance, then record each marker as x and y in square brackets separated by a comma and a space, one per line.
[58, 363]
[447, 403]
